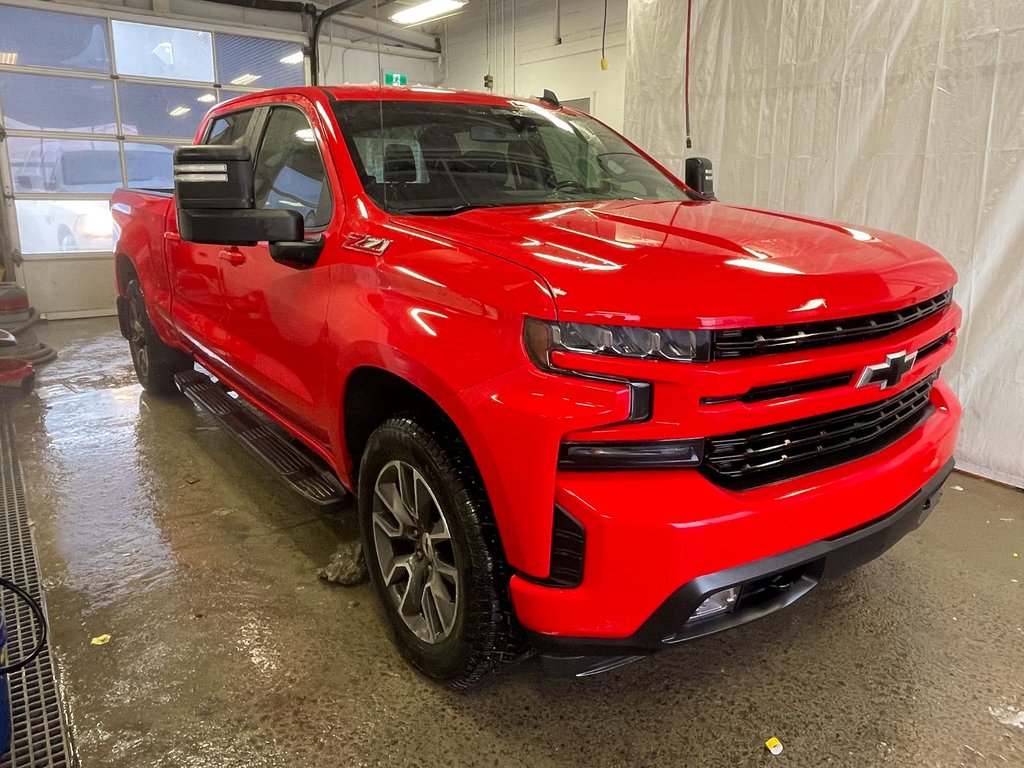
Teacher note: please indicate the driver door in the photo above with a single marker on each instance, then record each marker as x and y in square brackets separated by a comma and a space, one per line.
[275, 314]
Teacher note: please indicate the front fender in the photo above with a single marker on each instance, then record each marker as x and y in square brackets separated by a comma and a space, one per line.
[449, 320]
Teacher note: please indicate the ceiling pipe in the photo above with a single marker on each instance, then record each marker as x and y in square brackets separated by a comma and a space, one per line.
[314, 42]
[313, 21]
[286, 6]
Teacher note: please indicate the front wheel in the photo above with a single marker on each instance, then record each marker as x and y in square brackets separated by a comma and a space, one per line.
[433, 552]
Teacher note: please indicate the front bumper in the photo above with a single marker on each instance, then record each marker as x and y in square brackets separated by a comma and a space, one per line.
[765, 586]
[655, 535]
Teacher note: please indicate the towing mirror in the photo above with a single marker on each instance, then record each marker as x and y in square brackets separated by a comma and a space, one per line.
[700, 176]
[214, 194]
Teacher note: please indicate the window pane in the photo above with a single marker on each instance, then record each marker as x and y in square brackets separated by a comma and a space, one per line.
[230, 129]
[44, 39]
[150, 51]
[257, 63]
[161, 110]
[149, 166]
[50, 165]
[43, 102]
[54, 226]
[290, 173]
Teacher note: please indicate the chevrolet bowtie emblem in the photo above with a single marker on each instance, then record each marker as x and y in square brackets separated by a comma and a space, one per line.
[890, 373]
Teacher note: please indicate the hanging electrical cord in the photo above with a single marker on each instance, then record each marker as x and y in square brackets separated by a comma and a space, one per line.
[686, 75]
[514, 91]
[380, 104]
[604, 36]
[37, 612]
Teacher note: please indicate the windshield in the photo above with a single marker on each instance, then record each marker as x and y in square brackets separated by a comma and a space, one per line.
[436, 157]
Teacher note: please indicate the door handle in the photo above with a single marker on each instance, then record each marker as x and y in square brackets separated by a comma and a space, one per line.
[234, 258]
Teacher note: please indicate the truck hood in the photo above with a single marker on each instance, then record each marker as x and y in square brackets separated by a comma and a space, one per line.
[700, 264]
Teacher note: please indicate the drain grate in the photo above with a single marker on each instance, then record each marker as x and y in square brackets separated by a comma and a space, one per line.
[39, 738]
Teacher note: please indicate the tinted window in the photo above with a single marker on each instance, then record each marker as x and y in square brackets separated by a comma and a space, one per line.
[230, 129]
[290, 172]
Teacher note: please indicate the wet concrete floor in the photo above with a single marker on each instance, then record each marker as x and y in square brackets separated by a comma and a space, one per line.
[155, 527]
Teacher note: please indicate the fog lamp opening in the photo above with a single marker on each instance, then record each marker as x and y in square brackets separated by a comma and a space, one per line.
[718, 603]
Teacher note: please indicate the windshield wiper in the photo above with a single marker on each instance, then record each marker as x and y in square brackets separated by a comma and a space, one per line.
[448, 210]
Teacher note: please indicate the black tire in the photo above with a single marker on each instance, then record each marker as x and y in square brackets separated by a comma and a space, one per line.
[155, 362]
[483, 634]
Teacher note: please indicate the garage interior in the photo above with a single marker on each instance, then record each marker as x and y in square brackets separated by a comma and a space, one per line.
[187, 621]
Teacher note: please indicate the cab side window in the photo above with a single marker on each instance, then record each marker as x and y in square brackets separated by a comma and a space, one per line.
[290, 173]
[229, 129]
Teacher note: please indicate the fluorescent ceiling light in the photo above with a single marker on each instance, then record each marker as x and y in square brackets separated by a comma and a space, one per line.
[246, 79]
[292, 58]
[305, 134]
[180, 110]
[8, 57]
[427, 10]
[207, 98]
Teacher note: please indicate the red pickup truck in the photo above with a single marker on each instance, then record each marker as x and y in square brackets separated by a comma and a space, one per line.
[583, 406]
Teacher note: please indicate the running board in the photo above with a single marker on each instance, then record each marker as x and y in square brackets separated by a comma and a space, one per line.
[303, 471]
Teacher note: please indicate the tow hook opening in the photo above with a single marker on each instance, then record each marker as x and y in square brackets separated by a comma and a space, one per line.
[778, 589]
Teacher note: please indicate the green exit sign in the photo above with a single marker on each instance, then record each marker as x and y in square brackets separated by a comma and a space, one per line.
[396, 78]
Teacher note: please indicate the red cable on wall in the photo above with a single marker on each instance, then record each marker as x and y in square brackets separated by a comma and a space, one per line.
[686, 75]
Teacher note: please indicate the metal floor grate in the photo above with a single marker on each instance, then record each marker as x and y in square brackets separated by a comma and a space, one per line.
[39, 738]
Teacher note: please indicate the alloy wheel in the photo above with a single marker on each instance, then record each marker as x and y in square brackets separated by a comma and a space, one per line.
[415, 552]
[137, 341]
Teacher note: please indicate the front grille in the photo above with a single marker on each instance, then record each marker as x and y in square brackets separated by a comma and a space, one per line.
[760, 456]
[748, 342]
[935, 346]
[786, 389]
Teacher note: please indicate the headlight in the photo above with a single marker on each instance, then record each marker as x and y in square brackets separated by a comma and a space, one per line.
[543, 337]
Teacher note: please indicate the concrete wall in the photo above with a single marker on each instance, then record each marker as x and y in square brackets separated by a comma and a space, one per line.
[525, 56]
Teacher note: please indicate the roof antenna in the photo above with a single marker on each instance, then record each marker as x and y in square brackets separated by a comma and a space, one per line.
[550, 98]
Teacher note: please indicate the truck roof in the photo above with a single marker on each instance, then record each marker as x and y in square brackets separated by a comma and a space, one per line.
[390, 93]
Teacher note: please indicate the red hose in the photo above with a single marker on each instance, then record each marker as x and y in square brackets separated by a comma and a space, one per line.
[686, 76]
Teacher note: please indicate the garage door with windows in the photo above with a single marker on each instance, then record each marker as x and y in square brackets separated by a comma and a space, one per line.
[92, 103]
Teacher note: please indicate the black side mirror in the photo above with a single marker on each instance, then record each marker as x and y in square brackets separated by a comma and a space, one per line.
[699, 176]
[299, 253]
[214, 194]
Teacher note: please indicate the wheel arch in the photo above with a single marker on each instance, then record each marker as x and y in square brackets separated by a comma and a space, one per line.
[124, 272]
[370, 397]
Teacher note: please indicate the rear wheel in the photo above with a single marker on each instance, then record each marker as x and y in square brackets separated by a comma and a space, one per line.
[433, 552]
[155, 362]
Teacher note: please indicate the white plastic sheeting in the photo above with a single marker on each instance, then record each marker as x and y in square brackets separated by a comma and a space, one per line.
[907, 115]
